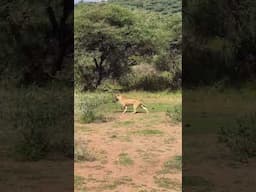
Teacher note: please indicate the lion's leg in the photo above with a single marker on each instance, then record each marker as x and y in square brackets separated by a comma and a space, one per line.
[125, 109]
[134, 109]
[144, 108]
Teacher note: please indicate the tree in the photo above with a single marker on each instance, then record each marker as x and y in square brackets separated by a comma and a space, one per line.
[219, 41]
[39, 34]
[110, 36]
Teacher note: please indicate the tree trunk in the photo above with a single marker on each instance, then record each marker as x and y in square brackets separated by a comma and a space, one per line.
[60, 33]
[99, 69]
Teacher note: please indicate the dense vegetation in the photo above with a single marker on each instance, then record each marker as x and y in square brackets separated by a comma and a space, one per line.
[36, 41]
[219, 41]
[163, 6]
[130, 49]
[36, 78]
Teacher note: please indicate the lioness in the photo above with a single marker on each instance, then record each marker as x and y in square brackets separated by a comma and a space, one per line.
[125, 102]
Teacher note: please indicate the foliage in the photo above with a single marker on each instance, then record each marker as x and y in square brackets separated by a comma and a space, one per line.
[88, 113]
[219, 41]
[163, 6]
[82, 153]
[241, 139]
[172, 165]
[125, 160]
[86, 107]
[35, 41]
[110, 39]
[152, 82]
[37, 122]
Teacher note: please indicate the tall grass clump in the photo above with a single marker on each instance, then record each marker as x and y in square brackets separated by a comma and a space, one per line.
[87, 104]
[175, 113]
[82, 153]
[241, 139]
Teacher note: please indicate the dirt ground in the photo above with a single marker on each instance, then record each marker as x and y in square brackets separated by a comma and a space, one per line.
[36, 176]
[131, 153]
[215, 167]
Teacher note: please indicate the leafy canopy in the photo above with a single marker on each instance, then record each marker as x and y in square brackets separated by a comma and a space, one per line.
[109, 38]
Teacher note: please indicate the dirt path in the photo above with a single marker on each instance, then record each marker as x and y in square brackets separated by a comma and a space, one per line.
[132, 153]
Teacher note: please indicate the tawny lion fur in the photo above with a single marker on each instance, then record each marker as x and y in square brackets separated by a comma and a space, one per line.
[125, 102]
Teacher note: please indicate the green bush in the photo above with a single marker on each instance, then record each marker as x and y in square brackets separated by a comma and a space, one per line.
[163, 62]
[241, 139]
[128, 81]
[154, 82]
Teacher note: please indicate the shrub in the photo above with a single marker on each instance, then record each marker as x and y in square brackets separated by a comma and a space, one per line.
[162, 62]
[109, 86]
[154, 82]
[241, 139]
[89, 115]
[88, 107]
[128, 81]
[82, 153]
[41, 123]
[33, 141]
[149, 82]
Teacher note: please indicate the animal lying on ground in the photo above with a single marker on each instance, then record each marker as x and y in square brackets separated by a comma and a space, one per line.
[125, 102]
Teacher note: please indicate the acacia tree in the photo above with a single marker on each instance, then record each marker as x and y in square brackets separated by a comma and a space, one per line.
[110, 37]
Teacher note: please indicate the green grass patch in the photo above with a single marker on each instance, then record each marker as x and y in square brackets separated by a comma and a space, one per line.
[125, 123]
[79, 182]
[148, 132]
[121, 181]
[172, 165]
[167, 183]
[157, 107]
[148, 157]
[125, 160]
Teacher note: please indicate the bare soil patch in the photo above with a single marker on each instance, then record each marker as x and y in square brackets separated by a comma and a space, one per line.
[131, 153]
